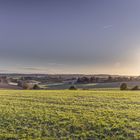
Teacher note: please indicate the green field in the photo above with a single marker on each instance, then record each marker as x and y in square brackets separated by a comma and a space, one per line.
[63, 114]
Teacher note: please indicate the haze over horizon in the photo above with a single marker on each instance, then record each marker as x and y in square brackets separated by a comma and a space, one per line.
[70, 36]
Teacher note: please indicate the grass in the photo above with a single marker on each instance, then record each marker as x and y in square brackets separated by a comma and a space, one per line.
[64, 86]
[76, 115]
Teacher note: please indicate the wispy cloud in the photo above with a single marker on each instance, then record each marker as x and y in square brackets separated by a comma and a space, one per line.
[37, 70]
[108, 26]
[55, 64]
[33, 68]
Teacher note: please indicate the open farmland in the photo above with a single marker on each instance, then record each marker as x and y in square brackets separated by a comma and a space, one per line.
[58, 86]
[63, 114]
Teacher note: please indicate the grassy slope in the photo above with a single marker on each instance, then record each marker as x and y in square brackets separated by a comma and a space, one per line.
[70, 114]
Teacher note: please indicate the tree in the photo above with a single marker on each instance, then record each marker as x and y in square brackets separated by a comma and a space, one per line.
[72, 88]
[20, 83]
[123, 86]
[26, 86]
[109, 79]
[36, 86]
[135, 88]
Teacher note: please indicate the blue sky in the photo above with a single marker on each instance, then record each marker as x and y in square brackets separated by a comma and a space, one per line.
[70, 36]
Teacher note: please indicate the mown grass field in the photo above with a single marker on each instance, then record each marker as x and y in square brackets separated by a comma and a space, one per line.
[76, 115]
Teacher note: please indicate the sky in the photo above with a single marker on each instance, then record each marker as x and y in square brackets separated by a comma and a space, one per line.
[70, 36]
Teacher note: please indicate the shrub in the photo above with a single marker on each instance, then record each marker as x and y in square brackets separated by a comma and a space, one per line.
[123, 86]
[72, 88]
[135, 88]
[26, 86]
[85, 88]
[36, 86]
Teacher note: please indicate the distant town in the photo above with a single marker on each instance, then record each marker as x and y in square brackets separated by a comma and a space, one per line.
[64, 81]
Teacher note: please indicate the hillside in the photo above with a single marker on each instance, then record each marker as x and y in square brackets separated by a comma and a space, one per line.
[63, 114]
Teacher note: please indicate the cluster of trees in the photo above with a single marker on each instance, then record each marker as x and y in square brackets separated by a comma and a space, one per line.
[124, 86]
[27, 85]
[87, 80]
[95, 79]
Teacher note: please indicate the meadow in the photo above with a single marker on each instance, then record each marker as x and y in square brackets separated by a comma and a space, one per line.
[91, 86]
[69, 115]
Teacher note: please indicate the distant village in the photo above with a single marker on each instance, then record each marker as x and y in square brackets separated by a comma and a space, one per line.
[40, 81]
